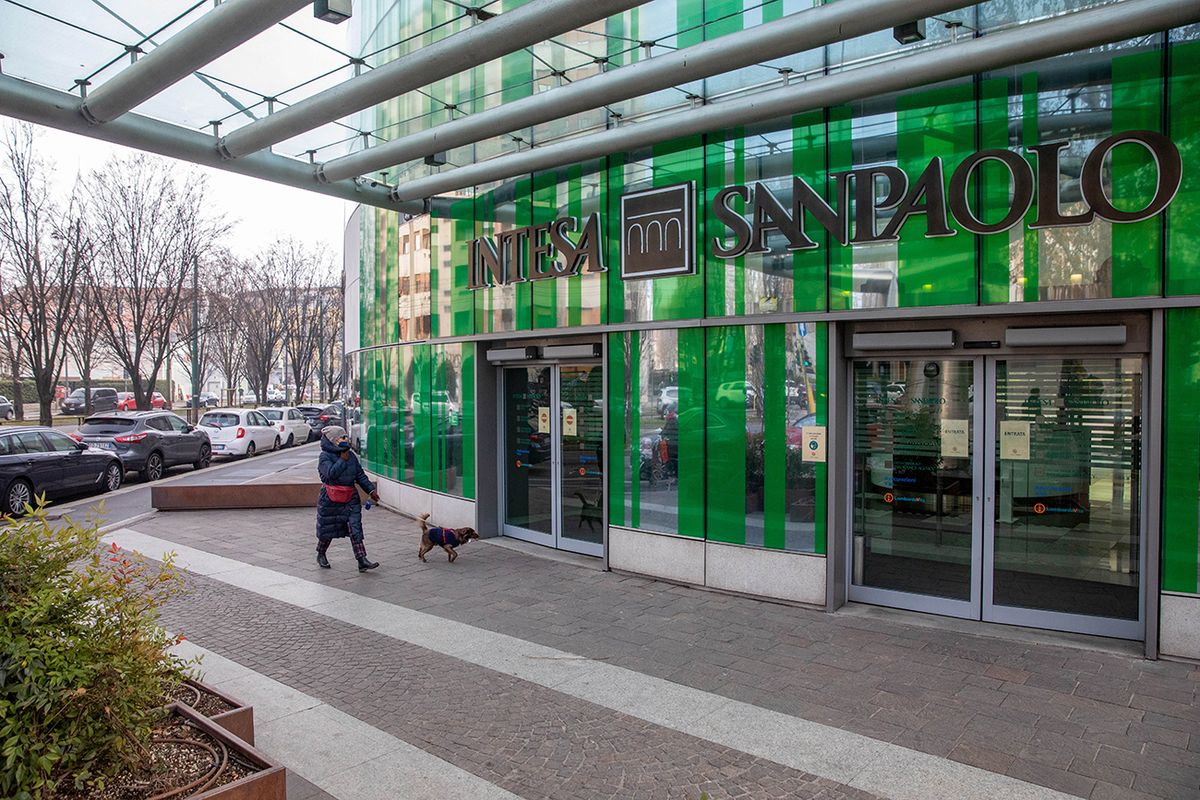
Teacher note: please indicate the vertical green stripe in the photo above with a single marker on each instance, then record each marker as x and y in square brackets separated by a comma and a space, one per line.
[615, 287]
[575, 210]
[775, 434]
[468, 418]
[995, 183]
[691, 436]
[617, 411]
[739, 263]
[422, 418]
[822, 470]
[1181, 450]
[714, 268]
[809, 277]
[841, 260]
[1029, 137]
[1137, 105]
[1183, 215]
[726, 434]
[635, 428]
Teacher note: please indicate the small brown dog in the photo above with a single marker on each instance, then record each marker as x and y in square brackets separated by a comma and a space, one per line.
[446, 538]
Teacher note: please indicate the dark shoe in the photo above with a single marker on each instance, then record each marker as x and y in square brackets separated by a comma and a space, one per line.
[322, 561]
[365, 564]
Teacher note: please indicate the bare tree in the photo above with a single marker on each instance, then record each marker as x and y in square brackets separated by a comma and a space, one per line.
[330, 335]
[225, 342]
[48, 250]
[10, 338]
[150, 221]
[263, 321]
[199, 303]
[84, 342]
[303, 319]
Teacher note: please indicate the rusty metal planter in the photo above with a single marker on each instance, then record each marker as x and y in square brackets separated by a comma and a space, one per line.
[239, 720]
[269, 783]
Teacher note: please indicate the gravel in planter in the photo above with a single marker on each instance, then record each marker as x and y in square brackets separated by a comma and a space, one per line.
[181, 756]
[204, 702]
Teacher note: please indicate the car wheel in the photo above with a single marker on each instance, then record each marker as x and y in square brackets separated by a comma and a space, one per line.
[291, 440]
[205, 458]
[275, 446]
[113, 475]
[10, 414]
[154, 467]
[250, 450]
[18, 496]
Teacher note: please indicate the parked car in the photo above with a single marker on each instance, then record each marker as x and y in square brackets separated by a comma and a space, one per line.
[276, 397]
[250, 397]
[149, 442]
[733, 393]
[36, 461]
[102, 400]
[6, 408]
[207, 400]
[239, 432]
[292, 425]
[668, 399]
[126, 401]
[319, 417]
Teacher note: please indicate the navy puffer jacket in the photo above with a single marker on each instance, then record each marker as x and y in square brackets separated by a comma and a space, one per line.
[340, 519]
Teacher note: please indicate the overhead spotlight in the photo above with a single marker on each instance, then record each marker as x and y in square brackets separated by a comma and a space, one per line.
[909, 32]
[334, 11]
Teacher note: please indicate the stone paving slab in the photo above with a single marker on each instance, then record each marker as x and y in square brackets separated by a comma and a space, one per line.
[525, 738]
[1086, 722]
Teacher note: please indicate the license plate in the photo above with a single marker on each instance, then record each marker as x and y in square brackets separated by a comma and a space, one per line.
[108, 445]
[218, 447]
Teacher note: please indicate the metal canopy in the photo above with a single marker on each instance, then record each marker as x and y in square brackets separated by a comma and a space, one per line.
[350, 108]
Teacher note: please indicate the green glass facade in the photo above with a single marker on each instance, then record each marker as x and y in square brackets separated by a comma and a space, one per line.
[712, 376]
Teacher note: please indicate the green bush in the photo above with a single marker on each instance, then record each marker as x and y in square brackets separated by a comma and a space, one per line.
[82, 659]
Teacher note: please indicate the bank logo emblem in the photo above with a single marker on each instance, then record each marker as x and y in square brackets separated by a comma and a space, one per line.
[657, 232]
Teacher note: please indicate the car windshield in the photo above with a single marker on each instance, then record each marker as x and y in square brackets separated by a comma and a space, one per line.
[102, 425]
[313, 410]
[77, 394]
[219, 420]
[272, 413]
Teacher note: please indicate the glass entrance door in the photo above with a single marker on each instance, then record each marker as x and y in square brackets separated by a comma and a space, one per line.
[1040, 526]
[1063, 541]
[553, 456]
[916, 477]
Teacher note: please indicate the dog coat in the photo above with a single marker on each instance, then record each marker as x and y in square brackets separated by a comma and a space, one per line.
[444, 536]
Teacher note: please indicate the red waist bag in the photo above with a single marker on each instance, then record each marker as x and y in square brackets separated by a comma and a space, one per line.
[339, 494]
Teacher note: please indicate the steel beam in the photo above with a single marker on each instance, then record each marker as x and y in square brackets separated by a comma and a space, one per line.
[795, 33]
[527, 25]
[1063, 34]
[208, 38]
[56, 109]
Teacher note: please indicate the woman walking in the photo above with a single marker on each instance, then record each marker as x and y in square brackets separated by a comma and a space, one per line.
[339, 512]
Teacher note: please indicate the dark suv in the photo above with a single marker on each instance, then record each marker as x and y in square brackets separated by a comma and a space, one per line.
[147, 441]
[320, 417]
[102, 400]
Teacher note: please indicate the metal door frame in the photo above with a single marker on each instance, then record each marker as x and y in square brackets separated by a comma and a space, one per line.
[555, 538]
[981, 605]
[944, 606]
[1042, 618]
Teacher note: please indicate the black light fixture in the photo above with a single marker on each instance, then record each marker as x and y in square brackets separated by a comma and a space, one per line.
[334, 11]
[909, 32]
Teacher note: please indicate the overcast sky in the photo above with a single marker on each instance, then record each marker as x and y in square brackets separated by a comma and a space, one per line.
[262, 211]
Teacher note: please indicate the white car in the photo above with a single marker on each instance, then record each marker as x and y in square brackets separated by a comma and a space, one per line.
[292, 426]
[239, 432]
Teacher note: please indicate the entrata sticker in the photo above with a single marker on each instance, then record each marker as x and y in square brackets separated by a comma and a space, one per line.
[889, 497]
[1039, 508]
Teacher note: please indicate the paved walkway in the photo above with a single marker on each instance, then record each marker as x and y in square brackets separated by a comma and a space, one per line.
[535, 678]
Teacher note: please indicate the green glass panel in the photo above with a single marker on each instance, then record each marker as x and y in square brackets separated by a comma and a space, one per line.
[936, 123]
[1183, 215]
[468, 419]
[727, 396]
[818, 371]
[840, 154]
[691, 466]
[446, 405]
[774, 435]
[422, 416]
[1181, 450]
[618, 399]
[1137, 88]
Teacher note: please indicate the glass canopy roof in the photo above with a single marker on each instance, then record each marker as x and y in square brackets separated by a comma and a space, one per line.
[57, 43]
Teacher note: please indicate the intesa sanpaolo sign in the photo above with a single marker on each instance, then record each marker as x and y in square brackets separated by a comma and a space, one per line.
[657, 224]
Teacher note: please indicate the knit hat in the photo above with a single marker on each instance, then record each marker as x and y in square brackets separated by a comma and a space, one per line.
[333, 433]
